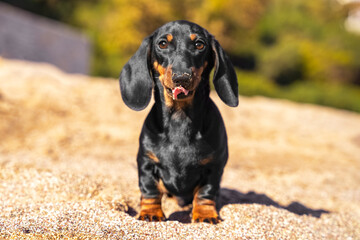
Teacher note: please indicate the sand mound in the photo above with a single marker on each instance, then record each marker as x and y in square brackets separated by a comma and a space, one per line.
[67, 156]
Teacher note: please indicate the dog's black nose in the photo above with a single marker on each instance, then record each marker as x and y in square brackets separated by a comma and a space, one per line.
[181, 78]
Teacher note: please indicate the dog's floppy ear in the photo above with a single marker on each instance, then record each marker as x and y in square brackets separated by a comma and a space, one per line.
[225, 80]
[135, 81]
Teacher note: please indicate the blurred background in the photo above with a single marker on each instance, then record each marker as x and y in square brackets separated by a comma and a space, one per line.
[302, 50]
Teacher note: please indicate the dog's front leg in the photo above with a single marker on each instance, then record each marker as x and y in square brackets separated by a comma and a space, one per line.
[151, 210]
[204, 203]
[150, 205]
[204, 210]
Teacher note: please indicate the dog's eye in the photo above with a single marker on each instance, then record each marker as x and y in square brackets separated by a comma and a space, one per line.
[199, 45]
[163, 44]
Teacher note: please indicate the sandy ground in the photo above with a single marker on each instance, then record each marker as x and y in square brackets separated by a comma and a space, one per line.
[67, 154]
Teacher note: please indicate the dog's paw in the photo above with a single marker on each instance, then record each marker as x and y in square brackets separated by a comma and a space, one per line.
[206, 214]
[151, 210]
[154, 216]
[207, 220]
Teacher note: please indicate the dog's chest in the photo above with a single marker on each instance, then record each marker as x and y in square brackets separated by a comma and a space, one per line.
[181, 164]
[183, 141]
[185, 149]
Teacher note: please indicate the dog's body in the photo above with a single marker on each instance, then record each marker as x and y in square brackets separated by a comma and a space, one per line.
[183, 143]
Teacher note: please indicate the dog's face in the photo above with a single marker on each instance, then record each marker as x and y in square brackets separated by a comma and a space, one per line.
[180, 54]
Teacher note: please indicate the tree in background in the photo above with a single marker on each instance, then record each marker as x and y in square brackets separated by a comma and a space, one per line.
[61, 10]
[307, 39]
[284, 41]
[118, 26]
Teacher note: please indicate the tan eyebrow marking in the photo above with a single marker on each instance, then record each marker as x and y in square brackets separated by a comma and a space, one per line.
[169, 37]
[193, 36]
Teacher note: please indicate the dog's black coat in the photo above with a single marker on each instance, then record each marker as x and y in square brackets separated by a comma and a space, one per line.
[183, 142]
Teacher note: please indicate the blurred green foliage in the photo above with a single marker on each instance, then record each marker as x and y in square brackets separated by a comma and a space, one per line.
[308, 37]
[343, 96]
[296, 49]
[118, 26]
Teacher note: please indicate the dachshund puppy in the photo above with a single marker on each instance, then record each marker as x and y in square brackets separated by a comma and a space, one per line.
[183, 143]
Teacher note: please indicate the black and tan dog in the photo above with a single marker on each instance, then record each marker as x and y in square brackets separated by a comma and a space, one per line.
[183, 144]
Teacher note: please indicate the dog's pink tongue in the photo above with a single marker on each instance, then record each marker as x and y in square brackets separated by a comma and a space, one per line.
[176, 91]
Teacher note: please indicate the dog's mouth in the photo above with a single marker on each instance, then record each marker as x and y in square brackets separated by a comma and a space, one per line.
[179, 92]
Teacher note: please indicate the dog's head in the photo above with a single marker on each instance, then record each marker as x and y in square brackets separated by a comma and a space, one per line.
[177, 55]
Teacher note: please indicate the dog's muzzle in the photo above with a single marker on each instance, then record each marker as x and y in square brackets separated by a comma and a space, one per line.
[182, 82]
